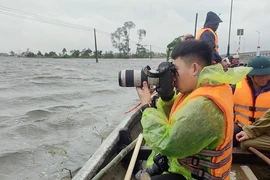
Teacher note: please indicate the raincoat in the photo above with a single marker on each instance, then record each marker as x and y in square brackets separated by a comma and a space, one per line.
[259, 133]
[212, 21]
[199, 124]
[259, 127]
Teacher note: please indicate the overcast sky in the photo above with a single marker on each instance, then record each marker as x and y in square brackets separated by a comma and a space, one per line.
[163, 20]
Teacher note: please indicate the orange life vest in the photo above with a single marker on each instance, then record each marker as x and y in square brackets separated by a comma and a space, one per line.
[222, 156]
[201, 31]
[247, 109]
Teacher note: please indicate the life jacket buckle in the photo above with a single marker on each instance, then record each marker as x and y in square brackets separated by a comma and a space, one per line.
[251, 108]
[252, 119]
[199, 174]
[195, 161]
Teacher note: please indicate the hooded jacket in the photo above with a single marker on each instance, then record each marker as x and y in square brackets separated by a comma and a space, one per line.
[212, 21]
[199, 125]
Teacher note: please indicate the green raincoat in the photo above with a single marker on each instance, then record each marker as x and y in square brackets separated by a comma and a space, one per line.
[197, 125]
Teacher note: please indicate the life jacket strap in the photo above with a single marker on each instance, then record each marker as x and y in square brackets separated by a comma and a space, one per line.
[215, 153]
[251, 108]
[199, 162]
[203, 174]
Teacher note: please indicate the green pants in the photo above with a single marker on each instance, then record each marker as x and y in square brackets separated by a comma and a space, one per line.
[262, 143]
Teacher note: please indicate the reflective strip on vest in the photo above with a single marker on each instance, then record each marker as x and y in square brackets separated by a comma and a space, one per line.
[252, 119]
[186, 162]
[251, 108]
[239, 123]
[215, 153]
[202, 174]
[247, 108]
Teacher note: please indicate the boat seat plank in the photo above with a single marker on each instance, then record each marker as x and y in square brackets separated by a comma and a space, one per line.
[247, 174]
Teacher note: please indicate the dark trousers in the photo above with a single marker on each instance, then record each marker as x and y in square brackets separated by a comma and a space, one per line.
[237, 129]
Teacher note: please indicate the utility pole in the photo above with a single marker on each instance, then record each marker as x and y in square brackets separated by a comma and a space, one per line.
[258, 47]
[228, 49]
[96, 45]
[244, 44]
[240, 32]
[150, 52]
[196, 20]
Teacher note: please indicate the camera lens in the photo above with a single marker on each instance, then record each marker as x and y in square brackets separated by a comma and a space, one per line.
[135, 78]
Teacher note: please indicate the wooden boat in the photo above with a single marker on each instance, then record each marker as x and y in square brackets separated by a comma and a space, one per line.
[127, 131]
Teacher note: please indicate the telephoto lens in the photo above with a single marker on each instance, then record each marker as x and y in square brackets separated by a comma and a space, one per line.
[135, 78]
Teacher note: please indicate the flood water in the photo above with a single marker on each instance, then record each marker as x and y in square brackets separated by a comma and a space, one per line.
[54, 113]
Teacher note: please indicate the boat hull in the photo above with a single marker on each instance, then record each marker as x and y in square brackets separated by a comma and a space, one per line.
[127, 131]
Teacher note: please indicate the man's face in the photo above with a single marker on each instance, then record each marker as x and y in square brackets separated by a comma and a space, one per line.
[261, 80]
[186, 79]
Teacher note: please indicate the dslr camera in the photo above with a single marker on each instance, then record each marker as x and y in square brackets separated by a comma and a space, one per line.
[157, 79]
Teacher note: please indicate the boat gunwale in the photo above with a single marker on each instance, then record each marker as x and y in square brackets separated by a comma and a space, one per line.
[90, 168]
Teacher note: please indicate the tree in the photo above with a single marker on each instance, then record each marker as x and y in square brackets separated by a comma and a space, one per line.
[116, 39]
[12, 53]
[30, 54]
[141, 51]
[64, 51]
[108, 54]
[99, 53]
[121, 37]
[39, 54]
[126, 29]
[141, 33]
[53, 54]
[86, 53]
[75, 53]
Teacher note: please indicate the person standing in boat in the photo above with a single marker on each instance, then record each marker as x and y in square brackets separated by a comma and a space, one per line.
[252, 94]
[257, 134]
[208, 34]
[192, 129]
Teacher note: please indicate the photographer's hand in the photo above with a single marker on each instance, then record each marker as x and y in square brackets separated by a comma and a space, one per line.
[144, 94]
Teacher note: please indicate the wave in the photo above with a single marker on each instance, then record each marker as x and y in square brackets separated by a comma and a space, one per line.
[105, 91]
[65, 107]
[47, 77]
[38, 113]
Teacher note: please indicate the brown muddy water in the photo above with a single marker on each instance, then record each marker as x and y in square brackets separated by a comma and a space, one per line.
[54, 113]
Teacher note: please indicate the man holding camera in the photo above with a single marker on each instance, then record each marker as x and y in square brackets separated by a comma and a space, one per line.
[192, 129]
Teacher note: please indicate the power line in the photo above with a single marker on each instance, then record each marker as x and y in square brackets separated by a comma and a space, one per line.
[35, 17]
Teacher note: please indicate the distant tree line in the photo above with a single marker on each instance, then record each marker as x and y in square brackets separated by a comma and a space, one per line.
[120, 40]
[85, 53]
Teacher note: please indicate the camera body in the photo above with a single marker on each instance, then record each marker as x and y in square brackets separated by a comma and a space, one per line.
[159, 78]
[160, 165]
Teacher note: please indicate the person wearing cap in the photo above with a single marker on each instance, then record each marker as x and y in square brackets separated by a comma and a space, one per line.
[252, 95]
[208, 34]
[257, 134]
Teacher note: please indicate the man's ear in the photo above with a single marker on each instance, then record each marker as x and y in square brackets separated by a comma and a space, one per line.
[196, 69]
